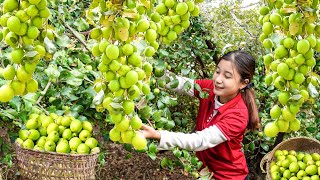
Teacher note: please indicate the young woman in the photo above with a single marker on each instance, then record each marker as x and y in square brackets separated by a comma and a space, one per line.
[222, 119]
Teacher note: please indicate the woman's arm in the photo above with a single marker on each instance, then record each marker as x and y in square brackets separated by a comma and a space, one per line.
[197, 141]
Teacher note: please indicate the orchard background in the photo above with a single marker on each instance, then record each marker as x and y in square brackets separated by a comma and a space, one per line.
[68, 79]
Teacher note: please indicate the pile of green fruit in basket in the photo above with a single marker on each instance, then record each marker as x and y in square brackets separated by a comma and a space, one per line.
[294, 165]
[54, 133]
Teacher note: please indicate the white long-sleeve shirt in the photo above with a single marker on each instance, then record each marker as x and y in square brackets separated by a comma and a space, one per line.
[198, 141]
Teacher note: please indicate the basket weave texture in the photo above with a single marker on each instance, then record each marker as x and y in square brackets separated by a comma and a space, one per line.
[50, 165]
[299, 144]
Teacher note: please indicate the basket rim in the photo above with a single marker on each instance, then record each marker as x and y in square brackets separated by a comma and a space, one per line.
[293, 138]
[18, 147]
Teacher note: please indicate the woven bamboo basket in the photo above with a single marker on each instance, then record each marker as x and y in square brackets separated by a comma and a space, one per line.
[50, 165]
[302, 144]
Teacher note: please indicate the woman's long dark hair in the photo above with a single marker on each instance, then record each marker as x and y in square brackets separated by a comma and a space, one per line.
[245, 65]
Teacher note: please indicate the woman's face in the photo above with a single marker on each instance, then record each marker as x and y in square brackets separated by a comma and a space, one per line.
[226, 81]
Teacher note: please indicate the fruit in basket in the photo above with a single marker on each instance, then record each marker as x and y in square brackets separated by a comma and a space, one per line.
[74, 143]
[295, 165]
[91, 142]
[76, 126]
[83, 149]
[84, 135]
[28, 144]
[49, 146]
[63, 146]
[54, 133]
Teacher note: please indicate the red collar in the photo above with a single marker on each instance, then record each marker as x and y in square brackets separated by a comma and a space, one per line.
[229, 104]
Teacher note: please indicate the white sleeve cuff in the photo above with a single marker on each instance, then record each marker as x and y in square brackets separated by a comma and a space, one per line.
[198, 141]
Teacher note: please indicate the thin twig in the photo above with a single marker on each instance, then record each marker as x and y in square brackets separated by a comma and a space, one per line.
[150, 124]
[47, 113]
[75, 34]
[44, 92]
[238, 22]
[203, 67]
[243, 7]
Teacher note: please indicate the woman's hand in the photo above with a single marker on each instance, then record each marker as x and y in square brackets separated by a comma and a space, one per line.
[149, 132]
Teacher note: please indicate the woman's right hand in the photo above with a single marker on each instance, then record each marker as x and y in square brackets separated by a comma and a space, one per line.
[149, 132]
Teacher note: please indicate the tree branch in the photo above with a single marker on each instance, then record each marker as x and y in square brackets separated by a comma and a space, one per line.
[75, 34]
[238, 22]
[44, 92]
[279, 139]
[198, 59]
[243, 7]
[212, 47]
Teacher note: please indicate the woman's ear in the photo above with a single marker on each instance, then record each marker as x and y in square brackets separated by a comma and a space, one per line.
[244, 84]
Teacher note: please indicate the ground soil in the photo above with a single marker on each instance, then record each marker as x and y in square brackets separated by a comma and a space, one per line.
[121, 164]
[139, 166]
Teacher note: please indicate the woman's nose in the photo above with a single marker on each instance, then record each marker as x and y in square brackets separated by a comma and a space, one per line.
[218, 79]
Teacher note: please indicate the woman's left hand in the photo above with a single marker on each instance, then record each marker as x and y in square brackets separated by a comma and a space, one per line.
[149, 132]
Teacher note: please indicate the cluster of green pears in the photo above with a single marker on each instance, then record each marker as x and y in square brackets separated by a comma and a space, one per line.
[290, 61]
[23, 29]
[127, 36]
[173, 17]
[54, 133]
[294, 165]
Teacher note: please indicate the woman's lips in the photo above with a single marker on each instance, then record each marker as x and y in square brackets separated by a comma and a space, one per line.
[218, 87]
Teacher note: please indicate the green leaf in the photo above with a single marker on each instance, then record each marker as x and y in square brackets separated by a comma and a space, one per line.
[194, 160]
[185, 71]
[152, 155]
[186, 154]
[311, 129]
[165, 99]
[73, 81]
[296, 97]
[81, 24]
[177, 153]
[63, 41]
[16, 103]
[187, 86]
[265, 146]
[50, 47]
[10, 113]
[252, 146]
[77, 107]
[115, 105]
[157, 115]
[170, 125]
[199, 164]
[312, 91]
[164, 162]
[31, 54]
[77, 73]
[52, 71]
[85, 58]
[294, 28]
[152, 148]
[204, 95]
[150, 96]
[160, 104]
[163, 52]
[117, 99]
[197, 87]
[174, 83]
